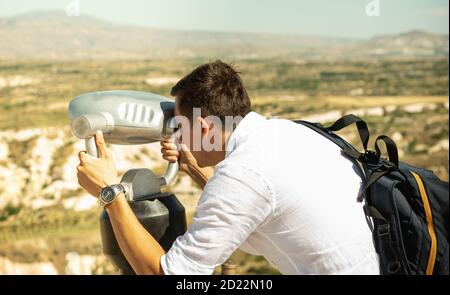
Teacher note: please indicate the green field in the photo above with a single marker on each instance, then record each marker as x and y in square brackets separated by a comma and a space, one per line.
[44, 101]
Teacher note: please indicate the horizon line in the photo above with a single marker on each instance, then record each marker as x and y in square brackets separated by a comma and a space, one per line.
[113, 23]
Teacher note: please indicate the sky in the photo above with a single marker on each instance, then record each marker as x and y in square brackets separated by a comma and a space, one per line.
[336, 18]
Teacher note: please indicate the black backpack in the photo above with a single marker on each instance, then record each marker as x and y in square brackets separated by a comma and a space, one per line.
[407, 208]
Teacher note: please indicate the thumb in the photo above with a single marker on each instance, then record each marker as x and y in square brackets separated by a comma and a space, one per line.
[101, 145]
[184, 150]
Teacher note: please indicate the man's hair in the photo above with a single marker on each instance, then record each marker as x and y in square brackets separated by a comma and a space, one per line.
[216, 88]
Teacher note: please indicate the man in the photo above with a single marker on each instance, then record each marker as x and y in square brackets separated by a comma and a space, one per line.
[270, 187]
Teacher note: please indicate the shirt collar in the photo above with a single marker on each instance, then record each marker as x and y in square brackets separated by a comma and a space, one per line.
[242, 129]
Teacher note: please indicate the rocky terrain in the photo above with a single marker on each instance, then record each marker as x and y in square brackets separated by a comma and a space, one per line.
[40, 199]
[49, 225]
[38, 168]
[42, 203]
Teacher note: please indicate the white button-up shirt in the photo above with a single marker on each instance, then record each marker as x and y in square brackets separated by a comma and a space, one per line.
[285, 192]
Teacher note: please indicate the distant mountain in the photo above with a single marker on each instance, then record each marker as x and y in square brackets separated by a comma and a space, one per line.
[414, 43]
[53, 35]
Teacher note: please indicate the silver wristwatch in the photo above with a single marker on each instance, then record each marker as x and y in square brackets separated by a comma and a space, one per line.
[110, 193]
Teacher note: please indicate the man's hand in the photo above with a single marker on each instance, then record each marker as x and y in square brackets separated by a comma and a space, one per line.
[96, 173]
[187, 162]
[184, 156]
[141, 250]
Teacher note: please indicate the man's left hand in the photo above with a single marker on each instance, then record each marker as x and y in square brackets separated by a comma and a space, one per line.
[96, 173]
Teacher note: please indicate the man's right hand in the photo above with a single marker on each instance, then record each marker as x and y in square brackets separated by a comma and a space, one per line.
[187, 162]
[184, 156]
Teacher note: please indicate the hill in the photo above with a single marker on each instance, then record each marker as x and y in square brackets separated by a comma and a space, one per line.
[53, 35]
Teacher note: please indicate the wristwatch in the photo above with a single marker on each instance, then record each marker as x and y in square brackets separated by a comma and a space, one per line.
[110, 193]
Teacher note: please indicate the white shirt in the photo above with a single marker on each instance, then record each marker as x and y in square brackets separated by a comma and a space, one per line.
[285, 192]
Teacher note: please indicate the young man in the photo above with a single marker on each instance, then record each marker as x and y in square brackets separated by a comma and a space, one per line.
[277, 189]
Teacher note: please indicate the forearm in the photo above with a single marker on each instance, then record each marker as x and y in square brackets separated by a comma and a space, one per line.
[141, 250]
[200, 175]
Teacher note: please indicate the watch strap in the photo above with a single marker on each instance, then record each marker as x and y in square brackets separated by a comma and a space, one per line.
[117, 188]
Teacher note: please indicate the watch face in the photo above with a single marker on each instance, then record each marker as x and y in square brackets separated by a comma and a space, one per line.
[108, 194]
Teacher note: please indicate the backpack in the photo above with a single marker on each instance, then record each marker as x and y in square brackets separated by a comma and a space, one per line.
[406, 207]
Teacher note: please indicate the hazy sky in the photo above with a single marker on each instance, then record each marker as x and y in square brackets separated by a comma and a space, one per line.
[342, 18]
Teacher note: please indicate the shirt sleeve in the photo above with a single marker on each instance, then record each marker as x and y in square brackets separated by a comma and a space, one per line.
[233, 204]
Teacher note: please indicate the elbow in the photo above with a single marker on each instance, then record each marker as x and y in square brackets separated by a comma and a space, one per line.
[147, 269]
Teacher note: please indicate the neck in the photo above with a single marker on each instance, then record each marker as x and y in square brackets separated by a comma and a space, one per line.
[219, 156]
[225, 138]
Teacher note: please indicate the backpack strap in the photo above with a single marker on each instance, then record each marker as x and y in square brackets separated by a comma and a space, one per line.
[352, 152]
[391, 149]
[339, 125]
[387, 248]
[374, 176]
[360, 124]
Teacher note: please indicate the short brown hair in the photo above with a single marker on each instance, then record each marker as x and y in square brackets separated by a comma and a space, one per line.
[216, 88]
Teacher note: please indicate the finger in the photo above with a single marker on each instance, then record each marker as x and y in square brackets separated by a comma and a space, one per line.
[101, 145]
[79, 168]
[184, 148]
[169, 145]
[83, 182]
[165, 140]
[80, 179]
[82, 157]
[173, 153]
[171, 159]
